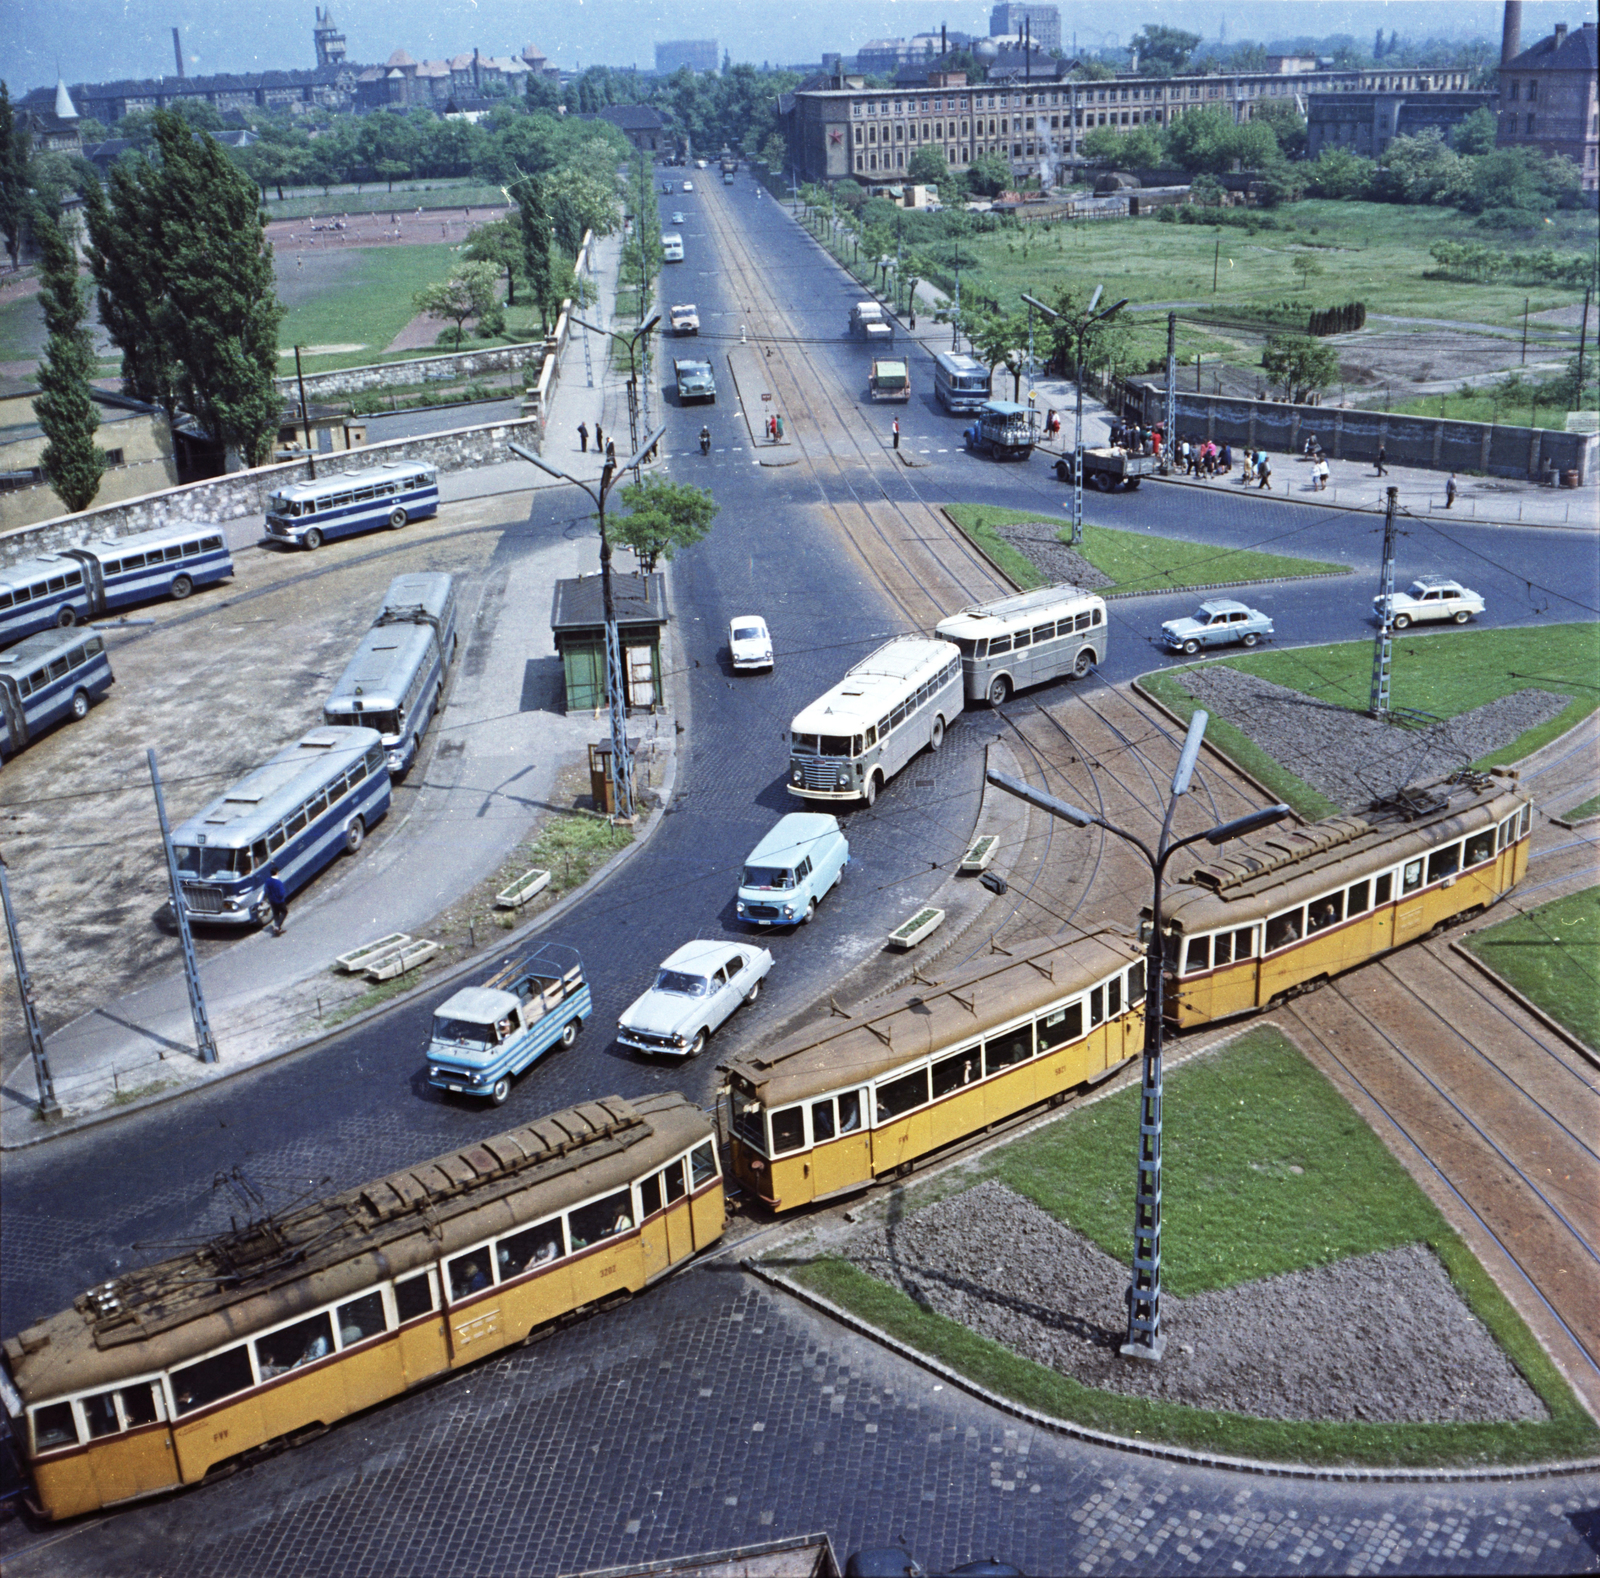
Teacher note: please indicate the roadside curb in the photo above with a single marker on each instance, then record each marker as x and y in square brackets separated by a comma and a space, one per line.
[978, 548]
[1151, 1449]
[1554, 1026]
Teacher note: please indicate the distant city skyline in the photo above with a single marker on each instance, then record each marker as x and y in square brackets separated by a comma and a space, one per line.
[99, 40]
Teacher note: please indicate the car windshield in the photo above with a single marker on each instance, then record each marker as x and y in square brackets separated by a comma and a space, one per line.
[462, 1032]
[684, 985]
[747, 633]
[767, 877]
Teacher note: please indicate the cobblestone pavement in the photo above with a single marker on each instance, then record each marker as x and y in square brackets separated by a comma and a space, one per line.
[712, 1412]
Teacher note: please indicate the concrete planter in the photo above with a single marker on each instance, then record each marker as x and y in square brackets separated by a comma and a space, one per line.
[357, 960]
[979, 853]
[401, 959]
[523, 889]
[922, 924]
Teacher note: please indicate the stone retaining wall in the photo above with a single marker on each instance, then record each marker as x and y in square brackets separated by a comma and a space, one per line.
[418, 371]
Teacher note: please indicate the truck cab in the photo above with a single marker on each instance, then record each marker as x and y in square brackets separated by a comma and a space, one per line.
[1001, 430]
[695, 381]
[484, 1036]
[867, 322]
[891, 378]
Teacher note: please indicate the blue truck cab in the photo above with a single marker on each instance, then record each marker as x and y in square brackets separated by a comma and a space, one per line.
[484, 1036]
[790, 870]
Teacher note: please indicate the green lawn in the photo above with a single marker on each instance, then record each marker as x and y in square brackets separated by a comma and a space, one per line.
[22, 333]
[1550, 955]
[1590, 807]
[360, 296]
[1266, 1169]
[1136, 561]
[1486, 405]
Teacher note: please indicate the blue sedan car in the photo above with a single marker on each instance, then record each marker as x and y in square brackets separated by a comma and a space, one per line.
[1217, 623]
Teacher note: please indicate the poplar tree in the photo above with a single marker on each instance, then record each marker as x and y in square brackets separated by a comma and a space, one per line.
[66, 414]
[14, 149]
[537, 266]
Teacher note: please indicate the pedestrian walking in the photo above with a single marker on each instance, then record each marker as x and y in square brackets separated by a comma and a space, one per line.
[1322, 475]
[599, 438]
[277, 896]
[1264, 471]
[1383, 455]
[897, 432]
[1450, 492]
[583, 437]
[779, 421]
[1225, 459]
[772, 429]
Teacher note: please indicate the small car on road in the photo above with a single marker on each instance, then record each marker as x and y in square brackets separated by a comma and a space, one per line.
[688, 186]
[677, 216]
[696, 989]
[1220, 622]
[1431, 597]
[750, 642]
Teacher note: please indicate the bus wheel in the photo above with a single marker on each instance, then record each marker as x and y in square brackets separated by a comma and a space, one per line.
[313, 539]
[66, 618]
[869, 791]
[181, 587]
[937, 738]
[999, 690]
[355, 836]
[500, 1090]
[397, 518]
[80, 704]
[1085, 662]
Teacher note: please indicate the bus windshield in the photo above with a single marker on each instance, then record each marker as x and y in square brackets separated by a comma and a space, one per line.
[828, 744]
[384, 722]
[194, 861]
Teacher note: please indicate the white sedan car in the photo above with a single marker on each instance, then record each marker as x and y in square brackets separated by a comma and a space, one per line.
[1432, 597]
[750, 642]
[696, 989]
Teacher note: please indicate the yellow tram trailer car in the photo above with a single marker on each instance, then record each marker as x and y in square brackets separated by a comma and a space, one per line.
[1304, 905]
[270, 1333]
[830, 1109]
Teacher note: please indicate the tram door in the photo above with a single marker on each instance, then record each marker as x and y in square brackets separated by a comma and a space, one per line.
[841, 1155]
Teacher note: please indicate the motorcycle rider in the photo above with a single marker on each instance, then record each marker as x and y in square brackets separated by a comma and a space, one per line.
[705, 440]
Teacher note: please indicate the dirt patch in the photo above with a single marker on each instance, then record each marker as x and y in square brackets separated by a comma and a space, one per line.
[1040, 543]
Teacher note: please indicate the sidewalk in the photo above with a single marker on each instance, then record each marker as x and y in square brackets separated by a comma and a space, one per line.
[490, 767]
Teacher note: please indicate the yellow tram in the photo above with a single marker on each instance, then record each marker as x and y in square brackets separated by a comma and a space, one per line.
[272, 1332]
[832, 1108]
[1300, 906]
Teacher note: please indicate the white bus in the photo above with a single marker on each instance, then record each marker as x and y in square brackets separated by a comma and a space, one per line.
[309, 514]
[1015, 642]
[50, 676]
[297, 811]
[169, 562]
[854, 738]
[672, 248]
[395, 681]
[38, 593]
[961, 383]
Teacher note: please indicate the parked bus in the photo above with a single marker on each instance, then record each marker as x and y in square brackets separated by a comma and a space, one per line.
[309, 514]
[395, 681]
[38, 593]
[313, 799]
[854, 738]
[46, 678]
[169, 562]
[672, 248]
[1015, 642]
[961, 383]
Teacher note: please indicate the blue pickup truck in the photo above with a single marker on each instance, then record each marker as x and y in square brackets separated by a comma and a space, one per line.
[484, 1036]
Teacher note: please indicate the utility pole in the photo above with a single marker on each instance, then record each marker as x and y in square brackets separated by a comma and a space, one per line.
[1583, 338]
[1382, 651]
[1524, 331]
[1172, 392]
[305, 415]
[1216, 263]
[49, 1107]
[204, 1040]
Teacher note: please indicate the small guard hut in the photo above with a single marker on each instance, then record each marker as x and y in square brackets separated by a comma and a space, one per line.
[578, 623]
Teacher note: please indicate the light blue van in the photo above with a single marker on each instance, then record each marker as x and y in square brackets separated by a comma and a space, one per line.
[791, 869]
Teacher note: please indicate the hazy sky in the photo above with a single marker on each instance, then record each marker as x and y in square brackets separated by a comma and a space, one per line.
[98, 40]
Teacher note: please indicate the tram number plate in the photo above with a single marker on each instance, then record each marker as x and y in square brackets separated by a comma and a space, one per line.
[485, 1325]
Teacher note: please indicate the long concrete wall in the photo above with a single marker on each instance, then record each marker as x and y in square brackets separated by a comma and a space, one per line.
[415, 372]
[1437, 443]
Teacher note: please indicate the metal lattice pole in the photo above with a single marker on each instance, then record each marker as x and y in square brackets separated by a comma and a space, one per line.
[203, 1037]
[616, 679]
[49, 1107]
[1077, 452]
[1383, 645]
[1172, 392]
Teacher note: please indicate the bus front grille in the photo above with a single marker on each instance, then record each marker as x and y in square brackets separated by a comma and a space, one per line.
[203, 901]
[817, 773]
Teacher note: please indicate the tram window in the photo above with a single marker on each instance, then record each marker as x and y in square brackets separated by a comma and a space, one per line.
[219, 1376]
[139, 1405]
[413, 1297]
[1015, 1046]
[702, 1166]
[600, 1219]
[1097, 1006]
[673, 1175]
[1064, 1025]
[361, 1318]
[1527, 819]
[1444, 863]
[1114, 996]
[1285, 928]
[302, 1343]
[1383, 889]
[788, 1130]
[1136, 985]
[1199, 955]
[100, 1414]
[1322, 913]
[1508, 831]
[952, 1073]
[1169, 950]
[850, 1113]
[649, 1203]
[53, 1426]
[821, 1121]
[467, 1274]
[1480, 847]
[1356, 898]
[902, 1095]
[535, 1245]
[1222, 948]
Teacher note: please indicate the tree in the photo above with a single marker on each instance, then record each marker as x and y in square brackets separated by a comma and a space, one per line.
[775, 152]
[1338, 173]
[663, 517]
[1287, 123]
[533, 219]
[1202, 140]
[1103, 145]
[1108, 343]
[989, 175]
[1000, 337]
[500, 243]
[1164, 50]
[468, 292]
[1300, 365]
[66, 413]
[1476, 134]
[14, 150]
[927, 167]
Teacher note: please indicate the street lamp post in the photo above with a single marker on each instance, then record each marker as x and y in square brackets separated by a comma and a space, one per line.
[616, 680]
[634, 402]
[1144, 1339]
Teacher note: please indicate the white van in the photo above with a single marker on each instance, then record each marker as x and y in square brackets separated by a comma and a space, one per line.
[792, 868]
[672, 247]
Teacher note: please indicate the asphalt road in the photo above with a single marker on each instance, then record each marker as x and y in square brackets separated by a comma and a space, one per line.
[76, 1209]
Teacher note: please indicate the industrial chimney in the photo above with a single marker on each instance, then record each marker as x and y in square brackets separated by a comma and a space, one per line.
[177, 49]
[1511, 31]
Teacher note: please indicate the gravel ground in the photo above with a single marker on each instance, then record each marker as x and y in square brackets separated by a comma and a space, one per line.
[1039, 542]
[1350, 757]
[1361, 1339]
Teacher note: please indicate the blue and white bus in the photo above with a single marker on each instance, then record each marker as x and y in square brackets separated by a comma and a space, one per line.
[312, 800]
[46, 678]
[38, 593]
[395, 681]
[169, 562]
[309, 514]
[960, 381]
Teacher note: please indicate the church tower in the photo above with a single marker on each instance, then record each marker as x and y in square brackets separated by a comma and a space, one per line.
[330, 41]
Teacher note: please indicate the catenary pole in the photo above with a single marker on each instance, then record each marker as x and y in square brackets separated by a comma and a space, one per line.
[204, 1040]
[49, 1107]
[1383, 642]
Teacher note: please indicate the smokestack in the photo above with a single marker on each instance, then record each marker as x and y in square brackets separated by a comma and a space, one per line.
[1511, 31]
[177, 49]
[1027, 49]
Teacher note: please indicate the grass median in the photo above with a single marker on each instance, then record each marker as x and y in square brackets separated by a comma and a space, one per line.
[1266, 1170]
[1135, 561]
[1549, 955]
